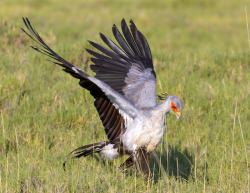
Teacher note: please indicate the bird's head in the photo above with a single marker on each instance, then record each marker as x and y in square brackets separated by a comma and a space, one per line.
[176, 105]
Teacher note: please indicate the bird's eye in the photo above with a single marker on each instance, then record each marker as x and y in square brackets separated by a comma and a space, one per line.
[174, 108]
[173, 105]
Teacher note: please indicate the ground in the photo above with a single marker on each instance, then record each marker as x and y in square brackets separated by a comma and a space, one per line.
[201, 54]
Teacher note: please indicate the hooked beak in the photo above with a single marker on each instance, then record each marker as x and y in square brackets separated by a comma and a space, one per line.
[178, 114]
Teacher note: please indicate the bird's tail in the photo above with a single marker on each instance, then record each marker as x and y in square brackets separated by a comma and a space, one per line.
[86, 150]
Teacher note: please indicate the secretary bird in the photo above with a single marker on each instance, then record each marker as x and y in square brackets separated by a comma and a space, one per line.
[124, 89]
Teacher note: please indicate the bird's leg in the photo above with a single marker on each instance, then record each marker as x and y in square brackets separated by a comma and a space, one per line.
[141, 160]
[128, 163]
[135, 158]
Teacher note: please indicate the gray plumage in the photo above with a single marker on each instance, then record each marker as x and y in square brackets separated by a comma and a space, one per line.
[124, 89]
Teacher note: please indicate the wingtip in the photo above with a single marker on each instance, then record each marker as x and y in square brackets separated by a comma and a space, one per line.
[90, 42]
[101, 34]
[87, 50]
[131, 22]
[24, 20]
[123, 22]
[103, 37]
[114, 29]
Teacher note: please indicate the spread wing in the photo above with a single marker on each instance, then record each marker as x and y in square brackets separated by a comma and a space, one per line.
[128, 69]
[111, 105]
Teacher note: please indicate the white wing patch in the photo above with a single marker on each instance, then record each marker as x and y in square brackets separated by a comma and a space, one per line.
[109, 152]
[75, 69]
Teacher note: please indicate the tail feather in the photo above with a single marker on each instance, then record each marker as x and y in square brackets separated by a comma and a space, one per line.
[86, 150]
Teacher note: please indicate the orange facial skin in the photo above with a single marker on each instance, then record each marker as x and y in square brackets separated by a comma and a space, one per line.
[173, 107]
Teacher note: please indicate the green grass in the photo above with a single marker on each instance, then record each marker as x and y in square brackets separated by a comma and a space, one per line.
[201, 54]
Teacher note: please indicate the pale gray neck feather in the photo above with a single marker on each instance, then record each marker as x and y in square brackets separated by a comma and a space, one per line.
[164, 107]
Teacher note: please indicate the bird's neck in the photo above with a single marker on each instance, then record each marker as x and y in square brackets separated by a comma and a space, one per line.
[164, 107]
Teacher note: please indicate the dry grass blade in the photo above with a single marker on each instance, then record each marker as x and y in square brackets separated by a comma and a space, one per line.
[248, 36]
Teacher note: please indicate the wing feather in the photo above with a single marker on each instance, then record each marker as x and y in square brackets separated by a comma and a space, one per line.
[105, 96]
[122, 42]
[128, 69]
[129, 37]
[114, 47]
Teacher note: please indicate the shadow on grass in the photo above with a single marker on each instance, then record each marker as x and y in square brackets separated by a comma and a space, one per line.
[172, 161]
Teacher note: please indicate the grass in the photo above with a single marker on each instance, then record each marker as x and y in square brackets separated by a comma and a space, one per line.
[201, 54]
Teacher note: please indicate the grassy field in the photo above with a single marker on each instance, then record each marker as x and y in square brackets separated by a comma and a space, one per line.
[201, 54]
